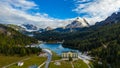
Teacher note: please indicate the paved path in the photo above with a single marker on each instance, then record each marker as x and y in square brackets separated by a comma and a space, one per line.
[49, 57]
[14, 63]
[41, 65]
[72, 64]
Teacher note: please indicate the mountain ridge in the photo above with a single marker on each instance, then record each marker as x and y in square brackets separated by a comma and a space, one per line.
[114, 18]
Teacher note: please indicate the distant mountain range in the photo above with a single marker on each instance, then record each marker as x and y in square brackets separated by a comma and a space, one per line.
[77, 24]
[81, 25]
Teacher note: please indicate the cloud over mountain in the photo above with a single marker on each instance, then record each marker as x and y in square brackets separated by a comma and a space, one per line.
[28, 12]
[16, 12]
[97, 10]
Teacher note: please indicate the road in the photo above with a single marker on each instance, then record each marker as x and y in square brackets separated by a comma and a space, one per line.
[49, 57]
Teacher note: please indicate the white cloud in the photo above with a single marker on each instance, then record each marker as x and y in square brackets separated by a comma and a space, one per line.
[15, 12]
[97, 10]
[23, 4]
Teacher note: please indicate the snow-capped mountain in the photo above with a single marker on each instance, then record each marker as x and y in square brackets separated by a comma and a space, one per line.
[29, 27]
[78, 23]
[75, 24]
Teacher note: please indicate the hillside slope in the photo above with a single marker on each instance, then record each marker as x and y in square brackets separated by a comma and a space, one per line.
[102, 43]
[9, 36]
[13, 42]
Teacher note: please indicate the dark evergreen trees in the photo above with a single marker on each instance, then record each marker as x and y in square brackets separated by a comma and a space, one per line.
[13, 42]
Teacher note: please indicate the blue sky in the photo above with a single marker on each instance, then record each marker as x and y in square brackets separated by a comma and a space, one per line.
[61, 9]
[55, 13]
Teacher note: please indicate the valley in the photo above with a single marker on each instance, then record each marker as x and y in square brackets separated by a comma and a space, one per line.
[59, 33]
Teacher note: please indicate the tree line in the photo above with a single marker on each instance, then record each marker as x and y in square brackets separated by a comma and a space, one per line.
[20, 51]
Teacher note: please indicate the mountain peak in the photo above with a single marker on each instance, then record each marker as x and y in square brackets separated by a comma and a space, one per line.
[78, 23]
[48, 28]
[78, 17]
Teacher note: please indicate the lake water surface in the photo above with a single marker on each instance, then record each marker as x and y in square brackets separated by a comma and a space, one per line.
[57, 48]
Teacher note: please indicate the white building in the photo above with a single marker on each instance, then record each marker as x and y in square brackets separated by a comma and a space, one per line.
[67, 54]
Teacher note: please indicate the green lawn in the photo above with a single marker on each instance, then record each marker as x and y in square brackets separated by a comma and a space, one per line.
[91, 65]
[34, 60]
[5, 60]
[55, 56]
[79, 64]
[67, 64]
[64, 64]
